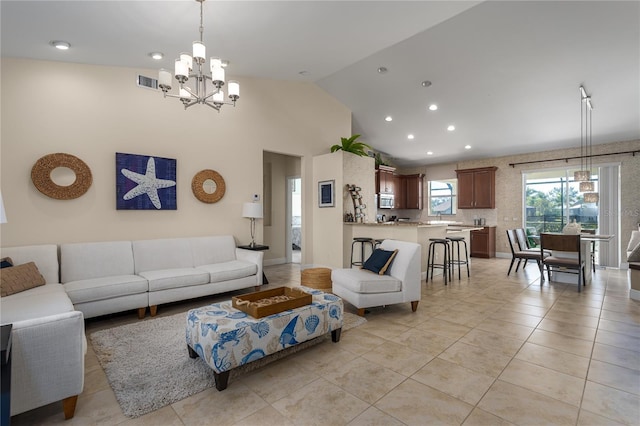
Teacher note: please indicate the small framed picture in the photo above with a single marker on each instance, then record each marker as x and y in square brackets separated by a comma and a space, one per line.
[326, 193]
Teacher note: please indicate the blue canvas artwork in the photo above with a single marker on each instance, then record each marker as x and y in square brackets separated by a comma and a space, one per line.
[145, 183]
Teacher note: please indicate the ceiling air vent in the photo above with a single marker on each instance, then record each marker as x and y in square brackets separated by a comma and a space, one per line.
[148, 82]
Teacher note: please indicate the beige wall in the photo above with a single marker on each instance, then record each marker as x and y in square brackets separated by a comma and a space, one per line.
[508, 212]
[93, 112]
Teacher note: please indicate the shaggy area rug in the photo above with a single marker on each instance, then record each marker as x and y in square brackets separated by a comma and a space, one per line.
[148, 367]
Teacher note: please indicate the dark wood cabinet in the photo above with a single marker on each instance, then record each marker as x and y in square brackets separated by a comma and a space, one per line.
[408, 191]
[413, 191]
[483, 242]
[399, 186]
[477, 188]
[385, 180]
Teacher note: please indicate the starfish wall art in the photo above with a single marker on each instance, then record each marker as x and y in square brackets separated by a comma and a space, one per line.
[145, 183]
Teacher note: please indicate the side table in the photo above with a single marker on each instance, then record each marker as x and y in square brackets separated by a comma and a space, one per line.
[258, 247]
[5, 373]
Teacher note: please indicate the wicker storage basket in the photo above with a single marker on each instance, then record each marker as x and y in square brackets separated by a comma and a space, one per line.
[318, 278]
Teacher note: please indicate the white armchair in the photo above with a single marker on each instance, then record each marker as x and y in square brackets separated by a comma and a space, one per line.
[364, 289]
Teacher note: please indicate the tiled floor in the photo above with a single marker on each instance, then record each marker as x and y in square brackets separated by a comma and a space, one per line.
[491, 350]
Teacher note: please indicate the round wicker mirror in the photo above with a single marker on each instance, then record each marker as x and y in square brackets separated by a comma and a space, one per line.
[41, 176]
[208, 186]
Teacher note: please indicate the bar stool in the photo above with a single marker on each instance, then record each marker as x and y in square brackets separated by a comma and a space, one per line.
[453, 261]
[377, 242]
[431, 257]
[362, 241]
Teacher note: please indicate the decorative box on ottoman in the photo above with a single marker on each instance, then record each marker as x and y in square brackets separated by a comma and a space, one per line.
[225, 337]
[318, 278]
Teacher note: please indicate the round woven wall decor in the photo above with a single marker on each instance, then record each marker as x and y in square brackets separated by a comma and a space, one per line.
[197, 186]
[41, 176]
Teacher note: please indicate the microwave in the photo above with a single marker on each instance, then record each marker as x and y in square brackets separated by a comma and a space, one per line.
[385, 201]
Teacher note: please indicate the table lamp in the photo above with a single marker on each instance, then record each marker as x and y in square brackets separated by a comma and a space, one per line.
[253, 211]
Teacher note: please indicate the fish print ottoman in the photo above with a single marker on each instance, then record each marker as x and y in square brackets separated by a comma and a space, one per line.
[225, 337]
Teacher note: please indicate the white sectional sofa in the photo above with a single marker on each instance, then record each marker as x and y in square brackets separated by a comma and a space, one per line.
[115, 276]
[98, 278]
[48, 342]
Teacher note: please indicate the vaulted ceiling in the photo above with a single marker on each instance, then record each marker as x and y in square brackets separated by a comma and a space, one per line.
[506, 73]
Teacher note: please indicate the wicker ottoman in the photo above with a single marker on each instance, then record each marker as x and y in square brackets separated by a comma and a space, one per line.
[318, 278]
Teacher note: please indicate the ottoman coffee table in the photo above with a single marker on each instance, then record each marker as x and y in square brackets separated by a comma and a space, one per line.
[225, 337]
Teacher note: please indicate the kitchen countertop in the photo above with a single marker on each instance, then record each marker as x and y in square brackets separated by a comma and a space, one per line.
[452, 226]
[400, 223]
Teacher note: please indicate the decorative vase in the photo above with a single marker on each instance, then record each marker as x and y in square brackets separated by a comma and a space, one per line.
[572, 228]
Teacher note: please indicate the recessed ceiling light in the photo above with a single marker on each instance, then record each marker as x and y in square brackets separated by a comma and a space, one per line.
[429, 152]
[451, 128]
[382, 70]
[425, 83]
[410, 137]
[59, 44]
[467, 147]
[156, 55]
[388, 118]
[433, 107]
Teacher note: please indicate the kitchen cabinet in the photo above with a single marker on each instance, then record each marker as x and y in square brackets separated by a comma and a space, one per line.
[477, 188]
[385, 180]
[413, 191]
[400, 201]
[408, 191]
[483, 242]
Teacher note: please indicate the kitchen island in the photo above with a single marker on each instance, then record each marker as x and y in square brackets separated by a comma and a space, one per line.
[416, 232]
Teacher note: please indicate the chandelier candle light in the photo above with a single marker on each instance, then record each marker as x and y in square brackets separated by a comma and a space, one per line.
[184, 70]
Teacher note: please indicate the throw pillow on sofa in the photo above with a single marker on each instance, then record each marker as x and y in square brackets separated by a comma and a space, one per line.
[634, 241]
[380, 261]
[634, 256]
[20, 278]
[6, 262]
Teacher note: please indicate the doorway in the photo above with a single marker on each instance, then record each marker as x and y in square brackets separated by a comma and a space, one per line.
[294, 222]
[282, 208]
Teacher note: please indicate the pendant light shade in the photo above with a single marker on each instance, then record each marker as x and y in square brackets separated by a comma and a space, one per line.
[587, 186]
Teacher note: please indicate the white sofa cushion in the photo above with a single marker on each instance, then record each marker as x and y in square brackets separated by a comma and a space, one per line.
[44, 256]
[84, 261]
[50, 299]
[363, 281]
[163, 254]
[210, 250]
[231, 270]
[90, 290]
[164, 279]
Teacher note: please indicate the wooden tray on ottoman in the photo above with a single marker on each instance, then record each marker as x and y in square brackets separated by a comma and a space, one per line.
[298, 298]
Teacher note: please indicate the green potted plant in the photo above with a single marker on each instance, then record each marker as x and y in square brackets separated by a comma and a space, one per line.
[350, 145]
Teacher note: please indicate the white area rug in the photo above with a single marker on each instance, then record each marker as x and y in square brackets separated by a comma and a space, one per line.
[148, 366]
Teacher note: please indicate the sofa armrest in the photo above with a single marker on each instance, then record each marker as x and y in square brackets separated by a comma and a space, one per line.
[252, 256]
[47, 356]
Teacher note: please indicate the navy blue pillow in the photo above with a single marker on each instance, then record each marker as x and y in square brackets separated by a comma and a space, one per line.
[6, 262]
[380, 261]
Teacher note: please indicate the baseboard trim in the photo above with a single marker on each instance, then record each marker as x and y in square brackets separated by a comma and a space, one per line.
[278, 261]
[634, 294]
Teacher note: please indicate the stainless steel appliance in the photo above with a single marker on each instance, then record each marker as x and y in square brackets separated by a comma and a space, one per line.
[385, 201]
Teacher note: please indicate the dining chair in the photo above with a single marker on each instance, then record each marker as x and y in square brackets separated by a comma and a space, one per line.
[567, 243]
[520, 255]
[593, 247]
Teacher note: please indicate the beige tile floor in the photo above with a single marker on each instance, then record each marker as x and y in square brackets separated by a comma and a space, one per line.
[490, 350]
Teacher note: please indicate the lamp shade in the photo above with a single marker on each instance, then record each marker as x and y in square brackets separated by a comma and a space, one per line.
[252, 210]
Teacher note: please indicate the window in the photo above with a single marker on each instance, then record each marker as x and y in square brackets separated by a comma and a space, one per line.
[442, 197]
[553, 199]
